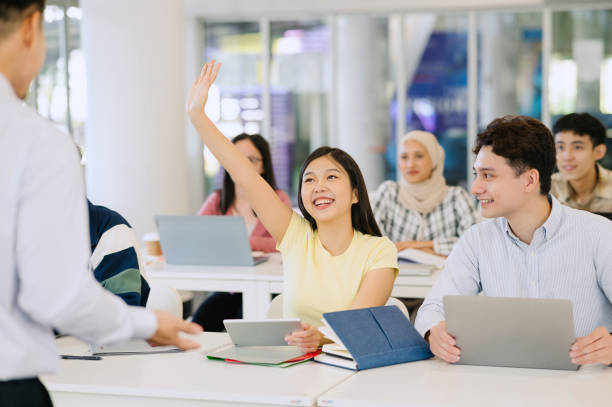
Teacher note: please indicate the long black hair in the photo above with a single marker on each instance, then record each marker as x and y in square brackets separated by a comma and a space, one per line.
[228, 192]
[362, 217]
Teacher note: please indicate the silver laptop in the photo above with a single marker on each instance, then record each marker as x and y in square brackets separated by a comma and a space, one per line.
[205, 241]
[512, 332]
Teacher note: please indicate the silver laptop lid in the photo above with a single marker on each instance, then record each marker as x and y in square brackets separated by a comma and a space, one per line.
[204, 240]
[513, 332]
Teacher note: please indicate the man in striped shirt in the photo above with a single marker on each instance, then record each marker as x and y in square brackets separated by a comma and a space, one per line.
[114, 256]
[533, 246]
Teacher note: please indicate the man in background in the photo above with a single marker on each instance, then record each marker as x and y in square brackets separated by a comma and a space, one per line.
[581, 182]
[114, 257]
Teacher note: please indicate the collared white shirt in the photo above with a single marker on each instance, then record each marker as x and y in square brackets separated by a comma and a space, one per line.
[570, 257]
[602, 195]
[44, 249]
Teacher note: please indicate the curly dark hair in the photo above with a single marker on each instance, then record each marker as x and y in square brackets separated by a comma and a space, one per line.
[583, 124]
[525, 143]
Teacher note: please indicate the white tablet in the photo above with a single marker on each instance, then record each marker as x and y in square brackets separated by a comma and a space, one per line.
[264, 332]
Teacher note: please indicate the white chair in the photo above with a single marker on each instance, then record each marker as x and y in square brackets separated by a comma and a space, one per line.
[165, 298]
[275, 309]
[399, 304]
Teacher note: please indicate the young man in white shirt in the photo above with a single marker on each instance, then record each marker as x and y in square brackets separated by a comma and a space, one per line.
[581, 182]
[44, 244]
[532, 247]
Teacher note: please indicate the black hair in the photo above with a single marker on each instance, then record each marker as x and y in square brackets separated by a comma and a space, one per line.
[13, 12]
[582, 124]
[228, 191]
[362, 217]
[525, 143]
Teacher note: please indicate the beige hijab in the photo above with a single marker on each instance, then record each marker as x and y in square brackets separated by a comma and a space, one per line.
[424, 196]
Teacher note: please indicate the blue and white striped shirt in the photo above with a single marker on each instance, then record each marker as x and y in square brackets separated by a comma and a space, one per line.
[570, 257]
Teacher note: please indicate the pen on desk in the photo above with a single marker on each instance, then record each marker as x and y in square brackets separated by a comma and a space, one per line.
[77, 357]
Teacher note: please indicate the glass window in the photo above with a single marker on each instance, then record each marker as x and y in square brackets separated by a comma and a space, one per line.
[581, 66]
[364, 86]
[510, 65]
[234, 102]
[77, 76]
[299, 95]
[48, 92]
[49, 88]
[435, 52]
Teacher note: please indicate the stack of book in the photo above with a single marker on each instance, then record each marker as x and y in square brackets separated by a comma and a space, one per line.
[371, 337]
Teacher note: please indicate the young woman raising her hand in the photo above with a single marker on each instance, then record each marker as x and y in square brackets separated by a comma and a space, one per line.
[334, 258]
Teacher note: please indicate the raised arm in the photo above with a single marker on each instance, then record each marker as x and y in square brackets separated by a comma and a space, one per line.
[272, 212]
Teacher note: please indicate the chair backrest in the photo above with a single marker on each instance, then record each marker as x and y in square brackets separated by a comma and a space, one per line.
[165, 298]
[399, 304]
[275, 309]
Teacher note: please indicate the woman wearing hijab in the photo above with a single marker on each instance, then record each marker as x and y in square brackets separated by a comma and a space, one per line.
[421, 211]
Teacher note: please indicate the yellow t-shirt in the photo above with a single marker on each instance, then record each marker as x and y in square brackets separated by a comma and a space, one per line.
[315, 281]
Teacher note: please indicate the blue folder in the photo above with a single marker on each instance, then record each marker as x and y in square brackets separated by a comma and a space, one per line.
[378, 336]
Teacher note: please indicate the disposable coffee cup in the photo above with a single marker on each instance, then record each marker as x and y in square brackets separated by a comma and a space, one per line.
[152, 246]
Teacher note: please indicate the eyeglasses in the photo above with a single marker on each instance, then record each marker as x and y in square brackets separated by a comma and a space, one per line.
[254, 160]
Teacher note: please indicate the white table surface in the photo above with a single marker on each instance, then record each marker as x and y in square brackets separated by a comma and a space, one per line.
[257, 283]
[184, 379]
[436, 383]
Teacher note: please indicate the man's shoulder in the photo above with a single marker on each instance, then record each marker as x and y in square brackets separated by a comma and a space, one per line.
[559, 187]
[558, 177]
[101, 219]
[27, 122]
[487, 226]
[585, 220]
[605, 176]
[106, 213]
[557, 180]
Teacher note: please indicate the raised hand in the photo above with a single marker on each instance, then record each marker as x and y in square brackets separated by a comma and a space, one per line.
[198, 95]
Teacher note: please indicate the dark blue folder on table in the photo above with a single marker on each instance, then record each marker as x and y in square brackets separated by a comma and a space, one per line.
[377, 336]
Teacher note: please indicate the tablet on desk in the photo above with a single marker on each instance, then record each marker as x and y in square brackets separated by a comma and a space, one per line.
[259, 341]
[265, 332]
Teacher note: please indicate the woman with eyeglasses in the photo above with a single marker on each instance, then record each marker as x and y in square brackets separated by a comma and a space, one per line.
[231, 200]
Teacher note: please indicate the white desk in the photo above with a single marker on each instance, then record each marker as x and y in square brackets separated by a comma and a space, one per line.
[184, 379]
[435, 383]
[255, 283]
[258, 283]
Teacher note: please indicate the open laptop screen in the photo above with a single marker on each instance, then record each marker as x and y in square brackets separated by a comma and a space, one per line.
[204, 240]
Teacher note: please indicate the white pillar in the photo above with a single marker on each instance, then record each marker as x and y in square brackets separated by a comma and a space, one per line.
[136, 159]
[362, 126]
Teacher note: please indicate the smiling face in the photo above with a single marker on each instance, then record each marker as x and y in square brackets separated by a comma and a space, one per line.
[499, 189]
[576, 156]
[326, 190]
[414, 162]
